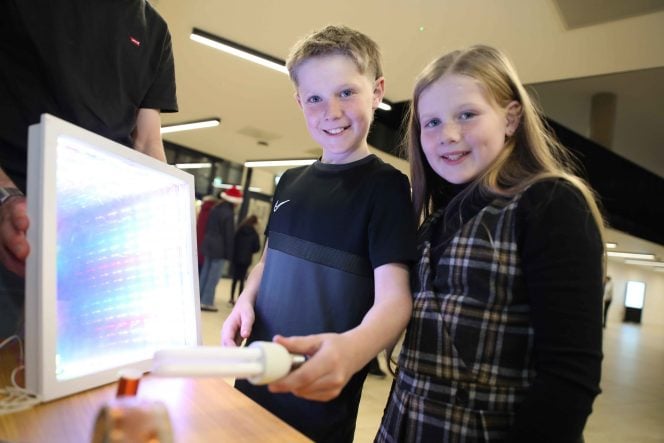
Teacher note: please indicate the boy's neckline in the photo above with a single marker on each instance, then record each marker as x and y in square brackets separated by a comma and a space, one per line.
[341, 166]
[346, 157]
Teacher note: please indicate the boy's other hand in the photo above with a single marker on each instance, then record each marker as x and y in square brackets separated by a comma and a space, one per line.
[14, 247]
[238, 324]
[325, 373]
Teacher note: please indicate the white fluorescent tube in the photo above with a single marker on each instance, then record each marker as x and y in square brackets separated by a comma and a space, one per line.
[268, 163]
[190, 126]
[631, 255]
[238, 53]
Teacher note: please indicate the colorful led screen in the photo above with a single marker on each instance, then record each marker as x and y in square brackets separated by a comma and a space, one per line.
[115, 278]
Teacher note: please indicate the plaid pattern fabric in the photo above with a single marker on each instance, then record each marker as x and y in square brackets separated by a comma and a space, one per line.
[466, 359]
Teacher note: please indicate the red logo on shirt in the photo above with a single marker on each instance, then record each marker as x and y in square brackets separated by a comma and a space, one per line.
[134, 41]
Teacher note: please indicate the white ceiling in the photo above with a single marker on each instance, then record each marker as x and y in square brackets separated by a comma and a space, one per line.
[565, 62]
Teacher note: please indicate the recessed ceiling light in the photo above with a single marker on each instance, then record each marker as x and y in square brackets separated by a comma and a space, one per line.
[633, 255]
[269, 163]
[247, 53]
[238, 50]
[654, 264]
[188, 126]
[193, 165]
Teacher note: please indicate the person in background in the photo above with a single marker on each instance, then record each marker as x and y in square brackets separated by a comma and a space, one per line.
[106, 66]
[246, 243]
[332, 283]
[505, 340]
[209, 202]
[608, 297]
[217, 245]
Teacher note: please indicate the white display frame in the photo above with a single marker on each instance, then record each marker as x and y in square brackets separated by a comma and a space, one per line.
[41, 269]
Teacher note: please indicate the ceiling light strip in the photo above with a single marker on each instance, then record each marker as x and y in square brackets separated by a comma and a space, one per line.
[188, 126]
[272, 163]
[633, 255]
[384, 106]
[249, 54]
[193, 165]
[654, 264]
[238, 50]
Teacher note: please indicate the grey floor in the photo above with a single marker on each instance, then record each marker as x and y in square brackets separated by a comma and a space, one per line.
[630, 408]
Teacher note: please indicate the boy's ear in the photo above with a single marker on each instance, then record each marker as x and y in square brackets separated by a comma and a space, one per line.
[513, 116]
[379, 91]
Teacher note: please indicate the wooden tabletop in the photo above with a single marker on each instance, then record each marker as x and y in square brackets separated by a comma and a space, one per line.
[200, 410]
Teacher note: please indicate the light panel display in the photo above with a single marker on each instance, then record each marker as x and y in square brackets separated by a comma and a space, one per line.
[112, 274]
[123, 261]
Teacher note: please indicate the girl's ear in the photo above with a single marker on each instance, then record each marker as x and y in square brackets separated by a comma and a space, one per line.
[513, 117]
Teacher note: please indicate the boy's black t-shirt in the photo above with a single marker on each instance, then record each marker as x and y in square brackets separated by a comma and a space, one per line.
[330, 227]
[91, 62]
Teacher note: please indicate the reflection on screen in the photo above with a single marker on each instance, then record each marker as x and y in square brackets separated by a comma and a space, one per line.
[124, 261]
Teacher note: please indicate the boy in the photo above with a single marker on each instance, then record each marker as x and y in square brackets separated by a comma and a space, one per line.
[333, 277]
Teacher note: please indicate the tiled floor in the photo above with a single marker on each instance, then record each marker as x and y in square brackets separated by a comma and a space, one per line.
[630, 409]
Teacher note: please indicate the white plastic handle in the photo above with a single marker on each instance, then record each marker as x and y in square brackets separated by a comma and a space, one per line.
[260, 363]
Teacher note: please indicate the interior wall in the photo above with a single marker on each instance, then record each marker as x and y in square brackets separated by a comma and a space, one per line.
[570, 110]
[263, 179]
[653, 310]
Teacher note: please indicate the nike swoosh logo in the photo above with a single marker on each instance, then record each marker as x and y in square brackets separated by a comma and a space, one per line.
[278, 205]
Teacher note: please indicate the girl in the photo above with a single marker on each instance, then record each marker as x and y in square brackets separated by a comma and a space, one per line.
[504, 342]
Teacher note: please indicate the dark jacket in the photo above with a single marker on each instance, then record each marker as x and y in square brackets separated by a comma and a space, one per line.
[201, 224]
[246, 244]
[218, 240]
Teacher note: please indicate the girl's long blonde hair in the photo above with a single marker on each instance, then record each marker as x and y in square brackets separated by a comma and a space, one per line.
[531, 154]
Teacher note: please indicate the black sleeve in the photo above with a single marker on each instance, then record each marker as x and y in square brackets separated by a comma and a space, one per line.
[392, 224]
[561, 253]
[161, 94]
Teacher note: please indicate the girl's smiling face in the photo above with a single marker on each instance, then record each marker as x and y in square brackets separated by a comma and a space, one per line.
[462, 130]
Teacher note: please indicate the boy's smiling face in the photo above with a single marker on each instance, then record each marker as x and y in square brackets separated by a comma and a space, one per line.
[338, 104]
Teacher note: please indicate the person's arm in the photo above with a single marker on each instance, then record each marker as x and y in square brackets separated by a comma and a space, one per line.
[561, 253]
[147, 134]
[239, 322]
[14, 223]
[335, 358]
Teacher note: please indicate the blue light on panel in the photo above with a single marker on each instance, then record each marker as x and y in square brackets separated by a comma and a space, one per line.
[124, 261]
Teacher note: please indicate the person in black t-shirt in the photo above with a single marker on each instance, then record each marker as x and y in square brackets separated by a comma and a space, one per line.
[106, 66]
[333, 279]
[504, 342]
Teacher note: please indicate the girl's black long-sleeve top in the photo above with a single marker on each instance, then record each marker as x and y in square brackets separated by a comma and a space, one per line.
[560, 248]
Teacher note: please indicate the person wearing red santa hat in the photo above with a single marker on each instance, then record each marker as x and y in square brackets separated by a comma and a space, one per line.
[217, 245]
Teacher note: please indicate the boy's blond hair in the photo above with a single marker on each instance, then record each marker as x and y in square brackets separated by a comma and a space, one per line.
[337, 40]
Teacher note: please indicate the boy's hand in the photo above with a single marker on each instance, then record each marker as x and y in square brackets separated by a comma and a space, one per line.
[238, 324]
[14, 247]
[325, 373]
